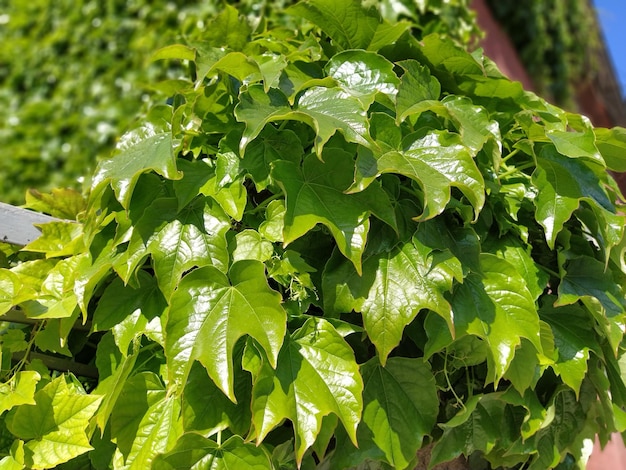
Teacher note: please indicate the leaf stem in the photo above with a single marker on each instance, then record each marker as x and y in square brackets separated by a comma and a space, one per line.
[510, 155]
[515, 169]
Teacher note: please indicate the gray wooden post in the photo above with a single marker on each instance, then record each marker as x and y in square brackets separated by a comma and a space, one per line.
[16, 224]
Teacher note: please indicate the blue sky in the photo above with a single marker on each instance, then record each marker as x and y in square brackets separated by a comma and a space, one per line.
[612, 16]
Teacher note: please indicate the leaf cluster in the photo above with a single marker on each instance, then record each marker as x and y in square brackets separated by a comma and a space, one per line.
[335, 245]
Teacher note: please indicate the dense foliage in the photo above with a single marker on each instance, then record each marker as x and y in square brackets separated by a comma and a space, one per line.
[557, 41]
[333, 246]
[73, 76]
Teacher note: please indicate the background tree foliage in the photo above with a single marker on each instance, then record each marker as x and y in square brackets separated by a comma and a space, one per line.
[330, 247]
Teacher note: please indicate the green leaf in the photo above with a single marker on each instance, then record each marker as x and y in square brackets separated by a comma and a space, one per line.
[587, 277]
[58, 239]
[316, 194]
[269, 146]
[363, 74]
[228, 29]
[477, 427]
[237, 65]
[612, 145]
[576, 144]
[157, 432]
[19, 390]
[400, 407]
[416, 86]
[127, 310]
[54, 427]
[496, 306]
[111, 388]
[174, 51]
[562, 182]
[209, 313]
[139, 153]
[194, 452]
[394, 287]
[572, 327]
[178, 240]
[328, 110]
[316, 374]
[348, 23]
[140, 393]
[250, 244]
[207, 410]
[438, 161]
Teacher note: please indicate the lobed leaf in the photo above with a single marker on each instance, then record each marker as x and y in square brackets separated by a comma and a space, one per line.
[209, 313]
[316, 374]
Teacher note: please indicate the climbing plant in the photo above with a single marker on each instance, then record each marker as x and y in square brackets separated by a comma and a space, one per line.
[332, 247]
[557, 42]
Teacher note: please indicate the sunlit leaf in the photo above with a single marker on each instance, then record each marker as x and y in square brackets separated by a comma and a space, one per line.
[315, 375]
[210, 312]
[54, 428]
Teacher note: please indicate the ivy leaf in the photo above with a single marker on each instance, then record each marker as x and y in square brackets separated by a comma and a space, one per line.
[438, 161]
[394, 287]
[587, 277]
[612, 146]
[316, 374]
[571, 326]
[121, 304]
[269, 146]
[477, 427]
[576, 144]
[496, 305]
[316, 194]
[349, 23]
[19, 390]
[250, 244]
[363, 74]
[228, 29]
[330, 109]
[416, 85]
[207, 410]
[400, 407]
[157, 432]
[325, 109]
[562, 183]
[140, 393]
[178, 240]
[195, 452]
[140, 153]
[209, 313]
[55, 426]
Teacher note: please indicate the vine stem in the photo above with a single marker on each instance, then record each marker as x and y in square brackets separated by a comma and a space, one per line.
[515, 169]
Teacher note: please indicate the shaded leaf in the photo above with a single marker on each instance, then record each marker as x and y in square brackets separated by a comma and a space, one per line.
[316, 194]
[572, 327]
[562, 183]
[586, 276]
[194, 452]
[400, 406]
